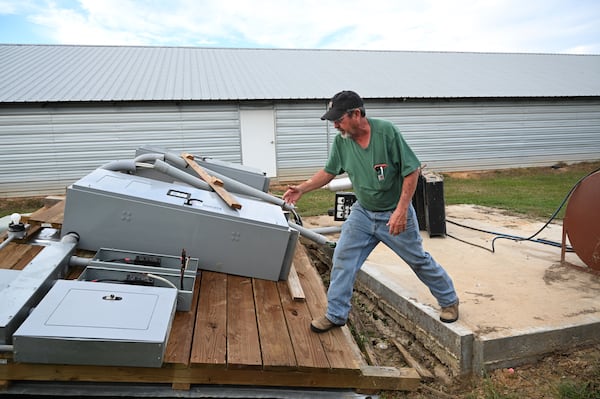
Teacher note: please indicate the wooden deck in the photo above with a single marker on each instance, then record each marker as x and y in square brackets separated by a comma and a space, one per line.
[240, 331]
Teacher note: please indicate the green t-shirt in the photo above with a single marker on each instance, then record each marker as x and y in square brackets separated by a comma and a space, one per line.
[376, 172]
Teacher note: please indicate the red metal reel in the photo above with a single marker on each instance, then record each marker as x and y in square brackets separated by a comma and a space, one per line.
[582, 220]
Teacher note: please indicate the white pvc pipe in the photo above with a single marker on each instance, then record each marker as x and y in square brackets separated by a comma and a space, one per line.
[342, 183]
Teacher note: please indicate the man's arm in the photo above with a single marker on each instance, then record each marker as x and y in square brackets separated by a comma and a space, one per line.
[397, 222]
[318, 180]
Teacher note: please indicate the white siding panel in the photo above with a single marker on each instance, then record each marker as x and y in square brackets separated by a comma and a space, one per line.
[465, 135]
[44, 149]
[302, 140]
[456, 135]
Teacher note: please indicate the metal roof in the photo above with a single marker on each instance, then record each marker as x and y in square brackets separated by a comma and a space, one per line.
[58, 73]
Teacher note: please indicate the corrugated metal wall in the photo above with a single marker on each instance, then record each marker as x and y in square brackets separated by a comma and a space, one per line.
[455, 135]
[302, 140]
[471, 135]
[44, 149]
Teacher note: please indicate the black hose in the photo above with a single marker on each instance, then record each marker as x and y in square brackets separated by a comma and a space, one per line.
[531, 237]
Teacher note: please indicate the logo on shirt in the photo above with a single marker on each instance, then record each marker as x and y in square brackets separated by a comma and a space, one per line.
[380, 170]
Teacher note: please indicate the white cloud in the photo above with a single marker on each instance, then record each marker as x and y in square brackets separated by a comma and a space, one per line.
[427, 25]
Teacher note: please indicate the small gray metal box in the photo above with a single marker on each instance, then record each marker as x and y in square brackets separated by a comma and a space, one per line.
[88, 323]
[126, 267]
[143, 262]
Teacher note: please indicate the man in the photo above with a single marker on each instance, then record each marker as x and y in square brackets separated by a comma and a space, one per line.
[384, 172]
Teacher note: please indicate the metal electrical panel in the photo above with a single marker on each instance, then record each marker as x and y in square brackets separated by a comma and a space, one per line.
[22, 290]
[115, 210]
[141, 268]
[244, 174]
[88, 323]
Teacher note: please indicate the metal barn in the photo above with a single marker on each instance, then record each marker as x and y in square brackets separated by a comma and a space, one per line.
[65, 110]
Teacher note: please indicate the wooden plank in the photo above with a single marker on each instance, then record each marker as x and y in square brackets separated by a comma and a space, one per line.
[360, 330]
[294, 285]
[387, 378]
[179, 345]
[374, 377]
[181, 386]
[214, 183]
[275, 343]
[412, 362]
[209, 345]
[243, 344]
[306, 344]
[17, 256]
[337, 342]
[52, 215]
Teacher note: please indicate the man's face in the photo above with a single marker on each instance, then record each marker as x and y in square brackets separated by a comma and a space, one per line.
[344, 124]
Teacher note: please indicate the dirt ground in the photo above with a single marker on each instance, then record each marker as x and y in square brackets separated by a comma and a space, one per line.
[576, 372]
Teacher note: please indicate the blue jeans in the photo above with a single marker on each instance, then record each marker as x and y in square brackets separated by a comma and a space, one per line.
[361, 232]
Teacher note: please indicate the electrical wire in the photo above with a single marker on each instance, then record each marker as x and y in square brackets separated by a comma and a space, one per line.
[531, 237]
[467, 242]
[296, 215]
[161, 279]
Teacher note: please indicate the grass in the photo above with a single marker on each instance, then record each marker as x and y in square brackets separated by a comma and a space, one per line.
[579, 390]
[535, 192]
[20, 205]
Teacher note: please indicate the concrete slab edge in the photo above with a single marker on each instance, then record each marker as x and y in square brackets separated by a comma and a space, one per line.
[525, 347]
[461, 349]
[451, 343]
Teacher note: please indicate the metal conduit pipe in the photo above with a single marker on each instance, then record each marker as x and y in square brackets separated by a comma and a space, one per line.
[130, 165]
[6, 348]
[233, 185]
[124, 165]
[311, 235]
[327, 229]
[175, 159]
[164, 167]
[149, 157]
[75, 261]
[70, 238]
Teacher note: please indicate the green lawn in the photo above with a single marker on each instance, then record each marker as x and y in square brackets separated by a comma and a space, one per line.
[537, 192]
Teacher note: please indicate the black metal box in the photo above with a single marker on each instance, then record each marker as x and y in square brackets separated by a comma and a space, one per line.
[343, 203]
[435, 207]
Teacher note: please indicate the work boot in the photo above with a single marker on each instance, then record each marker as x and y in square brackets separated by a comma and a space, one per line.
[322, 324]
[449, 314]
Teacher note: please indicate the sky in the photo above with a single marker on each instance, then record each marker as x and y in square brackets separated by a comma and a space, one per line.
[506, 26]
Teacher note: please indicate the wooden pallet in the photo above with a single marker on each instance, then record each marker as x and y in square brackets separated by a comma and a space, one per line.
[240, 331]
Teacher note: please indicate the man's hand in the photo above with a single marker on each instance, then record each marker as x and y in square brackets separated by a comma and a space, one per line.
[397, 222]
[319, 179]
[292, 195]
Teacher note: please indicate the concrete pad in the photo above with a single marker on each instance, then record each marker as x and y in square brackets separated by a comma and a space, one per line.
[517, 303]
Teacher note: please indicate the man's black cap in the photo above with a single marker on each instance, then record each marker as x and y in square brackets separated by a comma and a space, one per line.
[341, 103]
